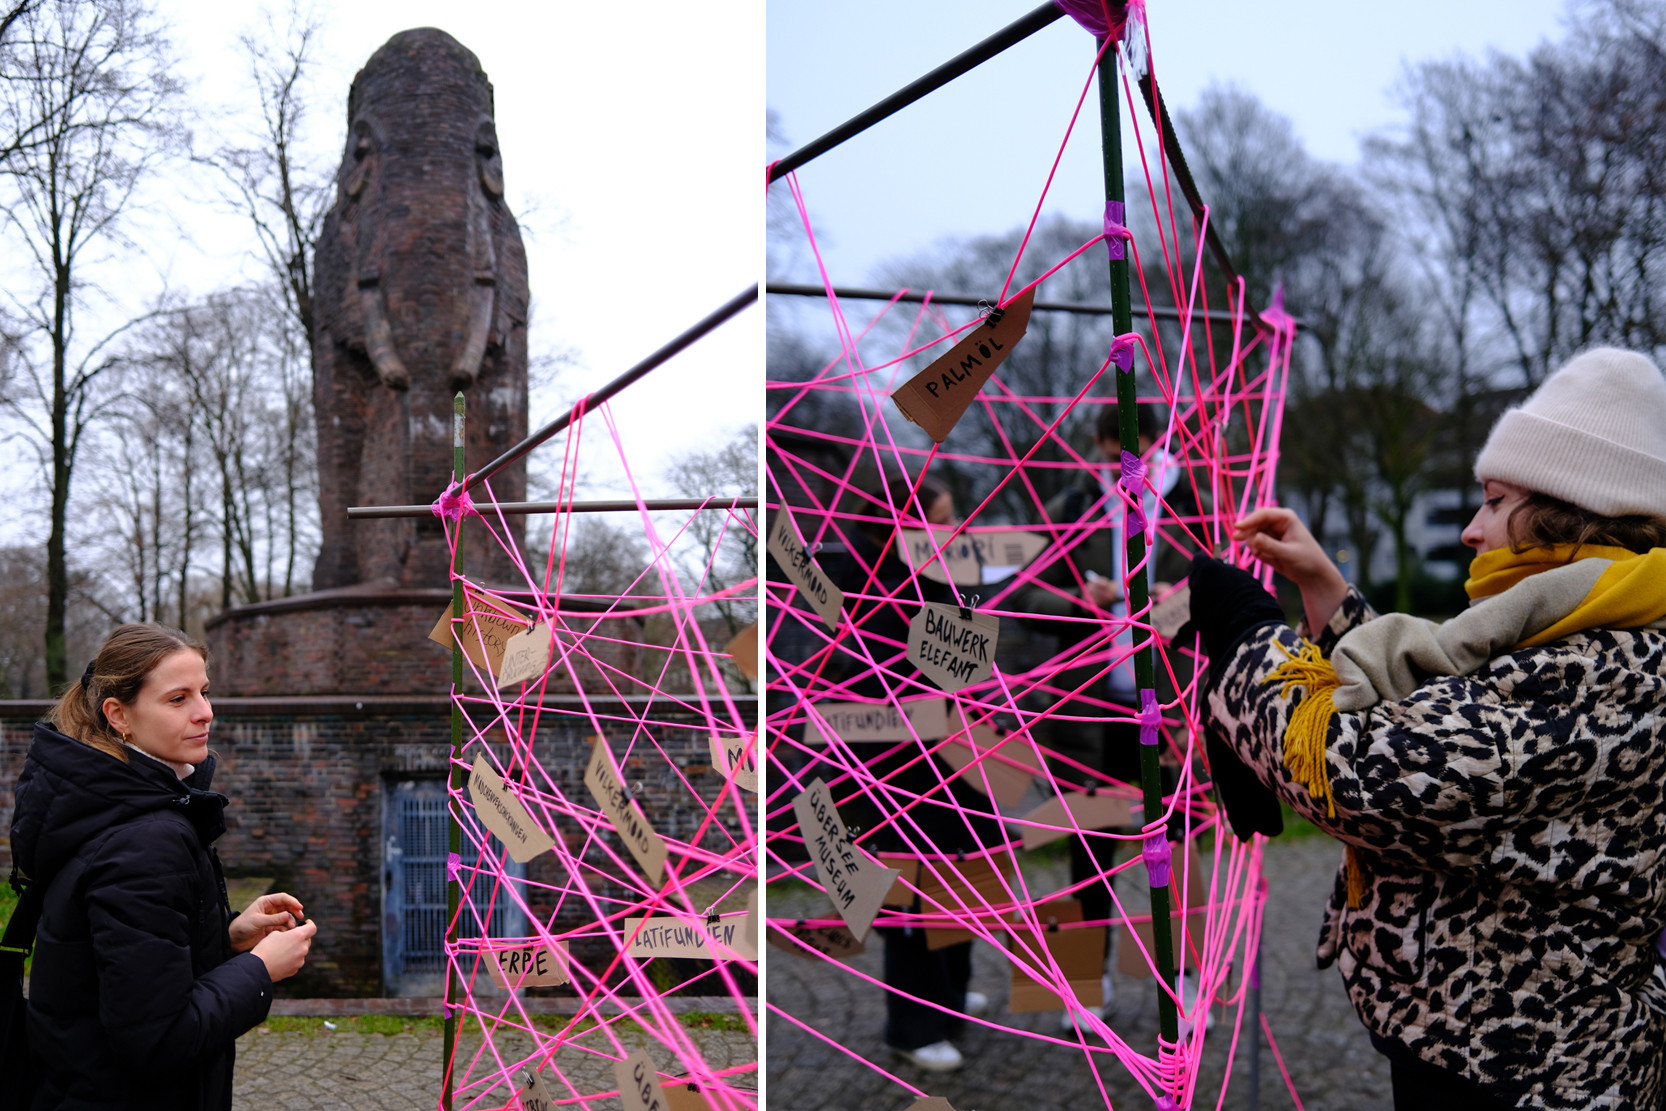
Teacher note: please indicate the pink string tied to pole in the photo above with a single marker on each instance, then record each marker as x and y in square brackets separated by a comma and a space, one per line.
[1150, 717]
[1116, 235]
[1276, 318]
[454, 503]
[1133, 485]
[1155, 852]
[1122, 351]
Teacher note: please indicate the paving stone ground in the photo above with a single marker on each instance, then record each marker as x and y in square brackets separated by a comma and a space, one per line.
[301, 1065]
[1330, 1059]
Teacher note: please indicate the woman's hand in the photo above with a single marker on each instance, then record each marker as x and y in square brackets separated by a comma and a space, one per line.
[278, 911]
[1278, 538]
[285, 951]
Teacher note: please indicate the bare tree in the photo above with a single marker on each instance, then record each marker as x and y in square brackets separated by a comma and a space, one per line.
[98, 74]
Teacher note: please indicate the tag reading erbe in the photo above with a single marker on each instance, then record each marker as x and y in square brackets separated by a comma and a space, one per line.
[951, 647]
[503, 814]
[533, 965]
[730, 755]
[856, 884]
[639, 1088]
[936, 398]
[701, 939]
[812, 582]
[531, 1092]
[1096, 811]
[970, 558]
[525, 656]
[744, 650]
[484, 630]
[623, 811]
[925, 718]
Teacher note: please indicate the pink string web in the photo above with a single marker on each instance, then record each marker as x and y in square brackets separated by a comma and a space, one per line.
[1224, 402]
[646, 670]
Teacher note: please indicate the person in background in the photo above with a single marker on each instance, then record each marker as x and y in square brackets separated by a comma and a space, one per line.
[1498, 780]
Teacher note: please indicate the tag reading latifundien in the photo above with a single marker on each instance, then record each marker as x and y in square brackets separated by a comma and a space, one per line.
[639, 1088]
[938, 396]
[812, 582]
[925, 718]
[854, 882]
[502, 813]
[951, 647]
[623, 811]
[702, 939]
[532, 965]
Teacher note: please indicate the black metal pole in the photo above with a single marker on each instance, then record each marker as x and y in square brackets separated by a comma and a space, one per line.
[1122, 319]
[623, 505]
[734, 305]
[1012, 33]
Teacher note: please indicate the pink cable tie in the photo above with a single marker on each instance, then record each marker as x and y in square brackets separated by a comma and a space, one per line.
[1116, 235]
[454, 503]
[1133, 484]
[1122, 351]
[1154, 850]
[1166, 1103]
[453, 865]
[1093, 15]
[1150, 717]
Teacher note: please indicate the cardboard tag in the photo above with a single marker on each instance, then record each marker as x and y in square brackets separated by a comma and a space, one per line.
[1079, 953]
[670, 936]
[930, 1103]
[502, 812]
[525, 656]
[744, 650]
[1099, 810]
[533, 965]
[926, 718]
[730, 756]
[907, 882]
[639, 1088]
[856, 884]
[952, 650]
[830, 941]
[802, 571]
[484, 630]
[1008, 782]
[1172, 612]
[937, 397]
[750, 933]
[1130, 961]
[623, 811]
[970, 558]
[685, 1097]
[969, 889]
[531, 1093]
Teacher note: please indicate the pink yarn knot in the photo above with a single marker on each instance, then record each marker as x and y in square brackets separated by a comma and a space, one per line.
[453, 865]
[1274, 316]
[1166, 1103]
[1133, 485]
[453, 504]
[1116, 235]
[1155, 852]
[1150, 717]
[1122, 351]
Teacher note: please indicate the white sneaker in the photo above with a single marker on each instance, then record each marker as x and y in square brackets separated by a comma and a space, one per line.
[1107, 1006]
[936, 1057]
[1188, 1002]
[977, 1004]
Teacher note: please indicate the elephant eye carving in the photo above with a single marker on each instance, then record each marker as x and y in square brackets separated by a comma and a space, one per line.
[486, 153]
[363, 147]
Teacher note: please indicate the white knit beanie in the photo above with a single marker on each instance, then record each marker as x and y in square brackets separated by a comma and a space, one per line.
[1593, 434]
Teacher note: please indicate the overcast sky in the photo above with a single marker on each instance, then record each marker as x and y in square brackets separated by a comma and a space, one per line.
[972, 157]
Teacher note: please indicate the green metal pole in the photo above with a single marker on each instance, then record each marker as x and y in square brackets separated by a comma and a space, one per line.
[1122, 319]
[454, 832]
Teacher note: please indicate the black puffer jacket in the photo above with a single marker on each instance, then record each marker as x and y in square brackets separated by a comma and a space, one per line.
[135, 998]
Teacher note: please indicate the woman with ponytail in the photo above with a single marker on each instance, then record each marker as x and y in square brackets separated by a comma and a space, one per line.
[1498, 780]
[142, 978]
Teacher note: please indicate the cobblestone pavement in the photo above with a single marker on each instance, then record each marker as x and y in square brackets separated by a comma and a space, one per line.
[301, 1065]
[1324, 1046]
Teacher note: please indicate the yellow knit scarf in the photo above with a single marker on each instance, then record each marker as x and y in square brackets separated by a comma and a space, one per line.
[1631, 593]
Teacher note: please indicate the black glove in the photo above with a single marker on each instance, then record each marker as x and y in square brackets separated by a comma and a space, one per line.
[1228, 604]
[1250, 807]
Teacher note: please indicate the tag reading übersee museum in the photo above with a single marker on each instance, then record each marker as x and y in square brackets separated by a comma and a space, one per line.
[525, 656]
[925, 718]
[639, 1088]
[623, 811]
[856, 884]
[730, 756]
[1099, 810]
[533, 965]
[744, 650]
[803, 571]
[484, 630]
[502, 813]
[972, 558]
[701, 939]
[951, 649]
[937, 397]
[531, 1092]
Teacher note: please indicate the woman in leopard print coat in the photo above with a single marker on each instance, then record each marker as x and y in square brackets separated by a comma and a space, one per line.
[1498, 779]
